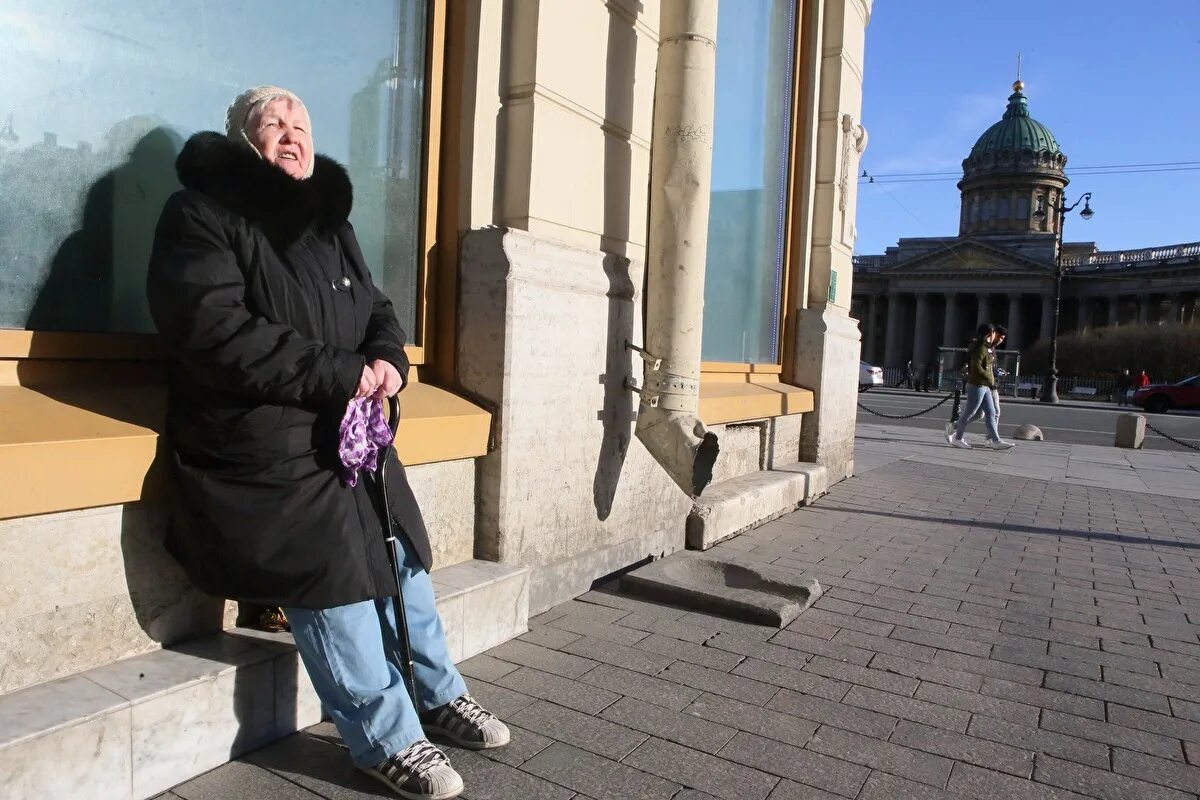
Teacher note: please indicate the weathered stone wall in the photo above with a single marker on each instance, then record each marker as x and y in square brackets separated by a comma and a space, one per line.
[83, 588]
[569, 490]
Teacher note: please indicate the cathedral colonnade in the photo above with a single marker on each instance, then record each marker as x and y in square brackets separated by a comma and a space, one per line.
[899, 325]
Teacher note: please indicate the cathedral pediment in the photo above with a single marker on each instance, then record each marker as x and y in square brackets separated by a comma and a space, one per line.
[970, 257]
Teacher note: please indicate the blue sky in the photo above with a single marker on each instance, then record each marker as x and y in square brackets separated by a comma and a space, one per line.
[1118, 82]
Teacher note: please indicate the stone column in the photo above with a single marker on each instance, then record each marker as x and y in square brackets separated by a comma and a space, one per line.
[1143, 308]
[982, 314]
[1176, 309]
[920, 351]
[1014, 322]
[950, 324]
[1114, 311]
[1047, 318]
[1083, 321]
[891, 344]
[869, 328]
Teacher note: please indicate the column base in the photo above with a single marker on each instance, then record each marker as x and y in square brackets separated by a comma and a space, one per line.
[827, 354]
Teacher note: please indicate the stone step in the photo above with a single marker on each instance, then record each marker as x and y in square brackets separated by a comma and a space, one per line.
[136, 727]
[737, 504]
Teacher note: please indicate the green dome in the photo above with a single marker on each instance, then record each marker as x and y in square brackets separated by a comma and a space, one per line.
[1017, 131]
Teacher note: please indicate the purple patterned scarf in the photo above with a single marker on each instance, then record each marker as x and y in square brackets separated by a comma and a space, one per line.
[363, 433]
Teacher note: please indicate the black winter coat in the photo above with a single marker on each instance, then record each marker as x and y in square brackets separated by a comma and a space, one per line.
[265, 354]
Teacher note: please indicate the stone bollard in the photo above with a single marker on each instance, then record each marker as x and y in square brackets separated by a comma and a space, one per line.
[1131, 431]
[1029, 433]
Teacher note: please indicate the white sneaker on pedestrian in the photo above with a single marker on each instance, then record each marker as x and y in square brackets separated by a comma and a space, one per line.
[959, 443]
[1000, 444]
[950, 433]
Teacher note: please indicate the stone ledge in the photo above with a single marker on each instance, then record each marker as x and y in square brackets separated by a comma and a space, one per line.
[735, 505]
[141, 725]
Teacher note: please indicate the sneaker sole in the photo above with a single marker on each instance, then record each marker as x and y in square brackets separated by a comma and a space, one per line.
[447, 795]
[466, 744]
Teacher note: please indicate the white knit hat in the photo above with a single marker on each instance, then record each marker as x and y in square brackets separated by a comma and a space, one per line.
[243, 107]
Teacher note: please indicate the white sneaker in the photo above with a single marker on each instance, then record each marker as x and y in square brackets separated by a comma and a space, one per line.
[959, 443]
[950, 433]
[1000, 444]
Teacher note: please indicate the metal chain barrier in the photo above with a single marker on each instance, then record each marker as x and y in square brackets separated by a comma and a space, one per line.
[937, 405]
[1171, 438]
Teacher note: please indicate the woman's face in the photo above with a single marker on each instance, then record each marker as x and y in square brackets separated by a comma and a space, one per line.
[280, 133]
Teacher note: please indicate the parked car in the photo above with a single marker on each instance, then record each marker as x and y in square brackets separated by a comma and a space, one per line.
[1161, 397]
[868, 376]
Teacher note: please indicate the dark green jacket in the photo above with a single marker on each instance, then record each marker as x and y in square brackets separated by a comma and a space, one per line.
[980, 362]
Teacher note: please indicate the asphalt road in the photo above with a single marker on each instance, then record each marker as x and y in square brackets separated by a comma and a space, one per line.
[1070, 424]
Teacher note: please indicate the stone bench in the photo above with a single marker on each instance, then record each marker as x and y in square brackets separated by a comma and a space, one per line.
[1084, 391]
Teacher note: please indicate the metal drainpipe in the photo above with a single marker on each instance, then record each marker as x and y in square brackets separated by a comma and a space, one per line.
[680, 181]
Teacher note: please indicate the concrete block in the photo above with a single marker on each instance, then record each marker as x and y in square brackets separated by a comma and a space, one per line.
[757, 593]
[733, 506]
[1131, 431]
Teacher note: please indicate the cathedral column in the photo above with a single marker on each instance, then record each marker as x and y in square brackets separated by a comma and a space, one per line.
[920, 351]
[950, 323]
[982, 313]
[1176, 308]
[1014, 322]
[1047, 318]
[1143, 308]
[872, 327]
[1083, 321]
[891, 345]
[1114, 311]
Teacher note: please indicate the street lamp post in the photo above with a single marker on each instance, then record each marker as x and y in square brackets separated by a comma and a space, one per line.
[1060, 209]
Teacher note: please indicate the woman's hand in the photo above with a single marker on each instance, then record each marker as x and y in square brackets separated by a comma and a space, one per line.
[387, 378]
[368, 384]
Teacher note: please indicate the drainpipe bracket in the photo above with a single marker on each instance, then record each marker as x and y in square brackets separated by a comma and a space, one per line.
[647, 398]
[652, 361]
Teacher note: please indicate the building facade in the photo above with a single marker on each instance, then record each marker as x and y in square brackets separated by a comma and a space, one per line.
[929, 292]
[501, 155]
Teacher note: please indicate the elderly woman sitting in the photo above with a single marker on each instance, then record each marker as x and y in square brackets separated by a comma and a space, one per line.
[258, 286]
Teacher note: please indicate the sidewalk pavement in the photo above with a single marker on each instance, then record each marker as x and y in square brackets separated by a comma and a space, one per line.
[994, 626]
[1174, 474]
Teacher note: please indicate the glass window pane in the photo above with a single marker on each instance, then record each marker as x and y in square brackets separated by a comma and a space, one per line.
[755, 54]
[98, 96]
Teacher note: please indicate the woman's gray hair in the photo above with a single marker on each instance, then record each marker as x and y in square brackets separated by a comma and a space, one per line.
[247, 104]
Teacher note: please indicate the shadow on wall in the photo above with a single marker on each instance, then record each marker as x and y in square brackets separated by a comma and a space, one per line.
[96, 281]
[617, 416]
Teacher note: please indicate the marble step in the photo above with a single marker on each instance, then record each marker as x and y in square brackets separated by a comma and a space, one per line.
[737, 504]
[133, 728]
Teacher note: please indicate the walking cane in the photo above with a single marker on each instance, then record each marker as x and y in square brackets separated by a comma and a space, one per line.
[393, 548]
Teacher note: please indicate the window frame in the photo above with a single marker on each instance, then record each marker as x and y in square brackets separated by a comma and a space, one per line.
[793, 262]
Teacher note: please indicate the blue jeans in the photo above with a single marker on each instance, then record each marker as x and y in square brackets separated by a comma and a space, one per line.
[978, 397]
[352, 656]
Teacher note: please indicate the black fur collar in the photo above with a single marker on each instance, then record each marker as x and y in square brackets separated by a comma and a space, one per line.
[283, 207]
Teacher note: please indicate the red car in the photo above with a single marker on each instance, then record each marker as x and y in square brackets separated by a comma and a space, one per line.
[1161, 397]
